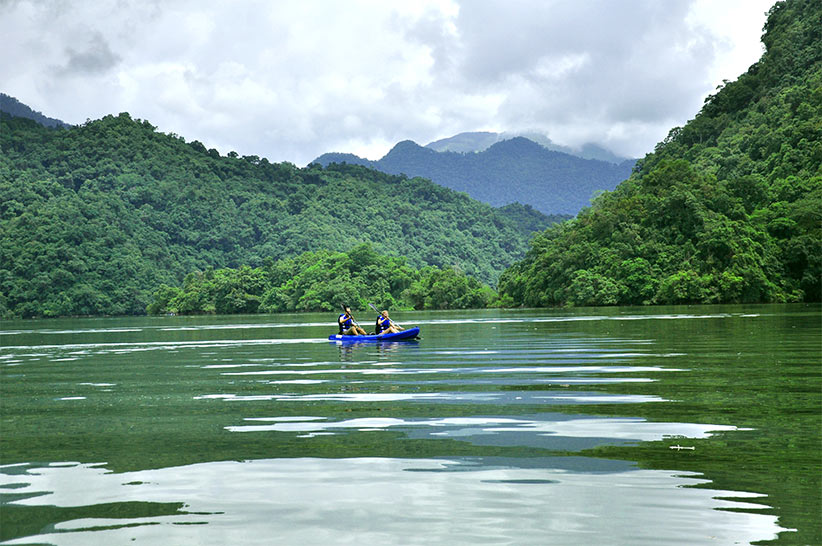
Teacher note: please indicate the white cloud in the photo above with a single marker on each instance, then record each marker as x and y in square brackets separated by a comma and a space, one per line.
[289, 80]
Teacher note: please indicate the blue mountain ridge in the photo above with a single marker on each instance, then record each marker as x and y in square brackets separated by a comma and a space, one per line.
[514, 170]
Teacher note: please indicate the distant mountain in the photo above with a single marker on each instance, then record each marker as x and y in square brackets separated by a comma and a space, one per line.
[515, 170]
[14, 107]
[481, 141]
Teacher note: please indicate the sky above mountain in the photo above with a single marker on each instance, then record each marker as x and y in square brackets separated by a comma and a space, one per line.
[290, 80]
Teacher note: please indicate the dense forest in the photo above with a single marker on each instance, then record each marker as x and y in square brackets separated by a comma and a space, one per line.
[513, 170]
[727, 208]
[323, 281]
[93, 219]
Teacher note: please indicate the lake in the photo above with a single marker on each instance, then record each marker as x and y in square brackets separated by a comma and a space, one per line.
[662, 425]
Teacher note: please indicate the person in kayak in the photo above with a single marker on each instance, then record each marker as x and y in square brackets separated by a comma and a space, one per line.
[385, 325]
[347, 325]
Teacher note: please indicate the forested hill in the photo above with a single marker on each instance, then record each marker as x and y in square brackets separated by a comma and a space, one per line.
[94, 218]
[514, 170]
[727, 208]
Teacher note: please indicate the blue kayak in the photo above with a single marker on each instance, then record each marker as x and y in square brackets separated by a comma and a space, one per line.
[411, 333]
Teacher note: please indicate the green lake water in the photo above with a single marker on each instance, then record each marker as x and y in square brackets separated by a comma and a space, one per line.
[674, 425]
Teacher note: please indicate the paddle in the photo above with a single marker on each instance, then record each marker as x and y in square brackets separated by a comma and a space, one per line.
[372, 306]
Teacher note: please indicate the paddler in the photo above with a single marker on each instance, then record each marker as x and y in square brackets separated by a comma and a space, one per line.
[385, 325]
[347, 325]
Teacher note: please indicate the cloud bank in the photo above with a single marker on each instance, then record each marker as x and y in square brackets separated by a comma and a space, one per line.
[290, 80]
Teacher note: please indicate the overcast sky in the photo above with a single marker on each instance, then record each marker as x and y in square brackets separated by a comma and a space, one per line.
[290, 80]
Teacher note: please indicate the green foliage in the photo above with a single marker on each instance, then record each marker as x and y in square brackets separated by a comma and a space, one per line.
[726, 209]
[448, 289]
[322, 281]
[94, 218]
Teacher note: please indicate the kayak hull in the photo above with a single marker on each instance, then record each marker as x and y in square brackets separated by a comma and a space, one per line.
[411, 333]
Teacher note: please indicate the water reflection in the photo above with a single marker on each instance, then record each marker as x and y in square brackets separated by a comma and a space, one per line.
[549, 425]
[383, 500]
[397, 442]
[351, 351]
[507, 398]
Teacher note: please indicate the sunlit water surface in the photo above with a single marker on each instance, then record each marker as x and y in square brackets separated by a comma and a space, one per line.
[604, 426]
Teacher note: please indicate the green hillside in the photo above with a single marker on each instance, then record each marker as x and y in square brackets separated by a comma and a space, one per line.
[93, 219]
[727, 208]
[322, 281]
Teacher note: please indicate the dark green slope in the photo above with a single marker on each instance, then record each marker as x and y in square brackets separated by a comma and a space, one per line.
[727, 209]
[14, 107]
[94, 218]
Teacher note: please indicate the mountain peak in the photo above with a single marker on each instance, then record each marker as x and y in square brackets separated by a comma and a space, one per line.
[404, 146]
[480, 141]
[517, 143]
[465, 142]
[404, 150]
